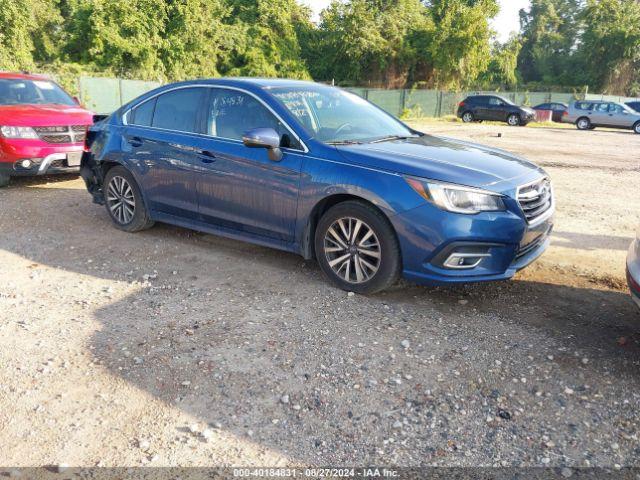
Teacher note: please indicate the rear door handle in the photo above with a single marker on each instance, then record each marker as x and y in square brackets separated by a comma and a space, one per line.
[135, 141]
[207, 156]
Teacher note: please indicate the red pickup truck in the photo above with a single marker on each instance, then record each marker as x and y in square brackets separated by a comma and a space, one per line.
[42, 127]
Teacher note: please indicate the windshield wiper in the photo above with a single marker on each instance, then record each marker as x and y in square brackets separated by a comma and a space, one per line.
[392, 137]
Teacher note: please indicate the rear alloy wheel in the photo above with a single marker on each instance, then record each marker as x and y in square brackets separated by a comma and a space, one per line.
[357, 249]
[4, 180]
[124, 201]
[467, 117]
[513, 120]
[636, 128]
[583, 124]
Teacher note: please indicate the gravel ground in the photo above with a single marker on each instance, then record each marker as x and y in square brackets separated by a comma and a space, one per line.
[172, 347]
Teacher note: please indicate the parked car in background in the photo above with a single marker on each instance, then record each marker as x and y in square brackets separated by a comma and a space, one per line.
[633, 269]
[557, 108]
[42, 128]
[588, 114]
[633, 106]
[477, 108]
[321, 172]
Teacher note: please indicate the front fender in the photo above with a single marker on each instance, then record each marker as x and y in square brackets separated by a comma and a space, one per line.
[328, 181]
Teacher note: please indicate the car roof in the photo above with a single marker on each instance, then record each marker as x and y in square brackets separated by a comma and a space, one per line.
[247, 81]
[22, 76]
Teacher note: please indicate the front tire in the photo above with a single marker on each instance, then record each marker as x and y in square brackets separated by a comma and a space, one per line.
[636, 128]
[513, 120]
[124, 202]
[357, 249]
[4, 180]
[467, 117]
[583, 123]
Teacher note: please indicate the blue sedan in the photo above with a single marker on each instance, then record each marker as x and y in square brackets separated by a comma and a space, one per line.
[321, 172]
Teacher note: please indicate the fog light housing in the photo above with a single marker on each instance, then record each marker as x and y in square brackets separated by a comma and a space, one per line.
[464, 255]
[26, 163]
[464, 261]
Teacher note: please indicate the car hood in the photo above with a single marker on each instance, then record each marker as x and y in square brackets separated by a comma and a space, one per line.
[44, 115]
[447, 160]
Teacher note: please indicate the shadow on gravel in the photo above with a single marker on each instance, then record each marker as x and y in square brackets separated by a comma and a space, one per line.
[255, 342]
[583, 241]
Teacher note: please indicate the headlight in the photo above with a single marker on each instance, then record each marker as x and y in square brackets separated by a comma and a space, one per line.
[18, 132]
[455, 198]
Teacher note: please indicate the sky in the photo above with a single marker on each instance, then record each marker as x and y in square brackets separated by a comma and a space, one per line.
[506, 22]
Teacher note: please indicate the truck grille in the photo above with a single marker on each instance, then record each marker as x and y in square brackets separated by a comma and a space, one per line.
[62, 134]
[535, 199]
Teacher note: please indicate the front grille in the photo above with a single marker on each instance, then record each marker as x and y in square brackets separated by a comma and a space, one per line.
[62, 134]
[535, 199]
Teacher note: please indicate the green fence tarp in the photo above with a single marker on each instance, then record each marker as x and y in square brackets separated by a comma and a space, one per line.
[104, 95]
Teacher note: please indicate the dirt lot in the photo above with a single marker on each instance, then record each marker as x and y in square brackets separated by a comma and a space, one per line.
[172, 347]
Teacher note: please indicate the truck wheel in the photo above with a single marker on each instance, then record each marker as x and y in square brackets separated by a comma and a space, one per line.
[4, 180]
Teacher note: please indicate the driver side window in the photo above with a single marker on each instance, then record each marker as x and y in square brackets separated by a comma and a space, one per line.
[230, 114]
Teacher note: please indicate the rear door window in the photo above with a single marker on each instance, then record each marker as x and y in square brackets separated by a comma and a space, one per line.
[495, 101]
[142, 115]
[178, 110]
[613, 108]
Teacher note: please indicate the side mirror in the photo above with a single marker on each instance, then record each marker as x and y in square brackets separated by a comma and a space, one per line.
[264, 138]
[77, 100]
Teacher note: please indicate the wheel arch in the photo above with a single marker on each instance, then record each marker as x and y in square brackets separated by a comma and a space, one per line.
[307, 241]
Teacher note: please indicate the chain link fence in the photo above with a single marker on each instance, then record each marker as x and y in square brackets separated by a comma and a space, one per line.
[104, 95]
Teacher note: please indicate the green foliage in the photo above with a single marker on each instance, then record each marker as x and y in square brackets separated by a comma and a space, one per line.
[573, 42]
[610, 48]
[549, 34]
[502, 69]
[461, 48]
[446, 44]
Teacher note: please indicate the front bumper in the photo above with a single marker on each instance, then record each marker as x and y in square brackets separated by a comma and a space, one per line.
[428, 236]
[633, 271]
[45, 158]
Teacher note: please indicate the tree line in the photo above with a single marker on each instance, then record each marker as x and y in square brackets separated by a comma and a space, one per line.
[446, 44]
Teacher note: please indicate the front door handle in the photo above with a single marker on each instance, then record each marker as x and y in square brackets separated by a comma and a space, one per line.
[135, 141]
[207, 156]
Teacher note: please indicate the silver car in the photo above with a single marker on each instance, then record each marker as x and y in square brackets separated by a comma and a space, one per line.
[589, 114]
[633, 269]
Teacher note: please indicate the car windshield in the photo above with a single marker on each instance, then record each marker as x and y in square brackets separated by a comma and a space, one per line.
[333, 116]
[29, 92]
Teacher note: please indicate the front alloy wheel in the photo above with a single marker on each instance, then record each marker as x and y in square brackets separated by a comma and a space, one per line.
[120, 200]
[357, 248]
[352, 250]
[513, 120]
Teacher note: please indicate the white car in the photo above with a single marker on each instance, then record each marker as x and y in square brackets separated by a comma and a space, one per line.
[633, 269]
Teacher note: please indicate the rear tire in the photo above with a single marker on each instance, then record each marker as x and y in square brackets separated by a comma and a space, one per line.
[4, 180]
[467, 117]
[124, 202]
[514, 120]
[583, 123]
[357, 248]
[636, 128]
